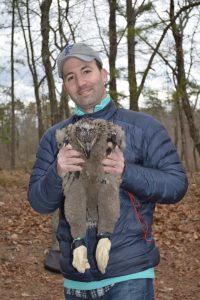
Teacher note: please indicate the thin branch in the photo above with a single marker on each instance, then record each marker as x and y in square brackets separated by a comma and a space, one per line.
[196, 101]
[192, 48]
[41, 81]
[25, 38]
[184, 8]
[159, 53]
[101, 37]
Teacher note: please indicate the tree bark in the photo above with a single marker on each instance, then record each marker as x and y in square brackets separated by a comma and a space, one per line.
[13, 132]
[113, 51]
[131, 20]
[184, 156]
[45, 28]
[64, 107]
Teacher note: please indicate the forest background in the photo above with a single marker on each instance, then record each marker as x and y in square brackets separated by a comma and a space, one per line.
[151, 50]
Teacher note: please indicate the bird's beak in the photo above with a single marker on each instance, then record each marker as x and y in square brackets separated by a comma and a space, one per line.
[87, 150]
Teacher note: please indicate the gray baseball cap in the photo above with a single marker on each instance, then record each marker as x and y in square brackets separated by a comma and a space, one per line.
[78, 50]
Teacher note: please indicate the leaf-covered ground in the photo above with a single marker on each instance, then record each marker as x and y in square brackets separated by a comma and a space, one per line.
[25, 238]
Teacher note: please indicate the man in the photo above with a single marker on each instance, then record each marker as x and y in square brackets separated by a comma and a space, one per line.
[151, 173]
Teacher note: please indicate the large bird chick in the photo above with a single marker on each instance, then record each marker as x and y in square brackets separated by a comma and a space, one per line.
[91, 196]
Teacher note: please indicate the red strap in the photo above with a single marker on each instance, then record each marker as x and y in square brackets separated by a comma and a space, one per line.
[142, 223]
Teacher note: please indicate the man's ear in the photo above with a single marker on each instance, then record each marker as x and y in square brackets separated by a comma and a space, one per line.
[104, 75]
[63, 86]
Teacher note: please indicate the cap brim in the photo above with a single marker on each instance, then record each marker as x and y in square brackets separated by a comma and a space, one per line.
[82, 57]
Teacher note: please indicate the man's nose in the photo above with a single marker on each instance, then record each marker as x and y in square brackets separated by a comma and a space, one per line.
[80, 81]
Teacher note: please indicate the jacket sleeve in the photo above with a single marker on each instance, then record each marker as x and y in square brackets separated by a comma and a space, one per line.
[45, 186]
[160, 177]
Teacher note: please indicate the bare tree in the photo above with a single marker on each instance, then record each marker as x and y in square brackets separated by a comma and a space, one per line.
[181, 77]
[131, 15]
[113, 50]
[46, 55]
[179, 111]
[31, 59]
[168, 56]
[13, 132]
[64, 105]
[136, 88]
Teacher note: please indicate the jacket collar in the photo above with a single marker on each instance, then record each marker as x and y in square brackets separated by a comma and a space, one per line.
[107, 113]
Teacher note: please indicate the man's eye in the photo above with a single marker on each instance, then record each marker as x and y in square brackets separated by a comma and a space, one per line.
[69, 78]
[87, 71]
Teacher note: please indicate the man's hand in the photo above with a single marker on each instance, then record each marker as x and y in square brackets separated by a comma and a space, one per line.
[114, 163]
[68, 160]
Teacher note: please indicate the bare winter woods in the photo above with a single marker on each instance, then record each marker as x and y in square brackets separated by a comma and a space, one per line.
[150, 48]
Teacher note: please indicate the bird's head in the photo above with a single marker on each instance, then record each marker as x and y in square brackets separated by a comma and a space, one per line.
[86, 135]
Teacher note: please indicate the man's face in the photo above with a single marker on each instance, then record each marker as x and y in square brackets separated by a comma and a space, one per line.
[84, 83]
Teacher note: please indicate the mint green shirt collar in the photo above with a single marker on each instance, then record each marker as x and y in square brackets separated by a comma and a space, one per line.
[78, 111]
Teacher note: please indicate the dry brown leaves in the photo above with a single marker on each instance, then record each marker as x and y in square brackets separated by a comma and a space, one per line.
[177, 231]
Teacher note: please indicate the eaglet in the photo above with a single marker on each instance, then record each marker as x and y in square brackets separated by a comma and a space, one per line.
[91, 195]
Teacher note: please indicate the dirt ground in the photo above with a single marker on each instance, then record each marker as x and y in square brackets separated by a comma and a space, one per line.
[25, 238]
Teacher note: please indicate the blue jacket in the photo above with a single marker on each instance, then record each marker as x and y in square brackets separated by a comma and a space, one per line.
[153, 174]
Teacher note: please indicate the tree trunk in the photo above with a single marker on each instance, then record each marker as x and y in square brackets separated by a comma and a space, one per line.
[131, 56]
[183, 135]
[13, 133]
[32, 65]
[195, 159]
[45, 28]
[35, 78]
[113, 51]
[64, 106]
[176, 136]
[182, 81]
